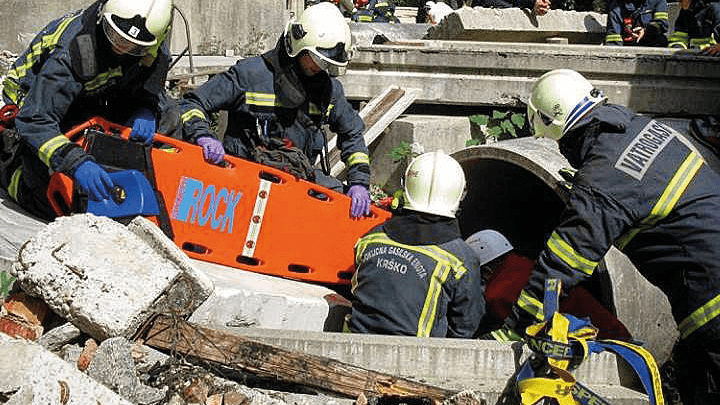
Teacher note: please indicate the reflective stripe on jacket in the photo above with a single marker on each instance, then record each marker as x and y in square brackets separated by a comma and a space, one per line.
[423, 290]
[645, 188]
[69, 73]
[697, 27]
[248, 92]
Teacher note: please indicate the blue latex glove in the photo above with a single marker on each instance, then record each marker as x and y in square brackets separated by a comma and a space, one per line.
[93, 180]
[360, 200]
[143, 126]
[213, 150]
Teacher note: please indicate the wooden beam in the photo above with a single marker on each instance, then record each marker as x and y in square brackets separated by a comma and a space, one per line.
[263, 360]
[377, 115]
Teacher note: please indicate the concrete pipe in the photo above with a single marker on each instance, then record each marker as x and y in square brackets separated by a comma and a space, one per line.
[514, 186]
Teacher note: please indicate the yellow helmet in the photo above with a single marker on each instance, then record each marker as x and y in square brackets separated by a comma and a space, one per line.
[321, 30]
[559, 99]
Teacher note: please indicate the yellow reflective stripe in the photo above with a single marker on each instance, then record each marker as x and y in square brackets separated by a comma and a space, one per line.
[700, 317]
[613, 38]
[669, 198]
[11, 89]
[436, 253]
[314, 109]
[702, 43]
[427, 316]
[531, 305]
[660, 15]
[651, 365]
[329, 109]
[47, 42]
[567, 254]
[103, 78]
[261, 99]
[533, 390]
[14, 184]
[48, 148]
[358, 158]
[453, 261]
[194, 113]
[365, 18]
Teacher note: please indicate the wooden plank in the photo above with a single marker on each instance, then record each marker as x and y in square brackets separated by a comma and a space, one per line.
[264, 360]
[378, 114]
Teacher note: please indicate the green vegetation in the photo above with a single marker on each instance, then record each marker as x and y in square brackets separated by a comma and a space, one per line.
[497, 126]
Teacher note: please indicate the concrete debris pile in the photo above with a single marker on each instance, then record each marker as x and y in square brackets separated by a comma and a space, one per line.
[96, 311]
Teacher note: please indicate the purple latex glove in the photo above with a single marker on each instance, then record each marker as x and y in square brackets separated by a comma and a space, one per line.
[143, 126]
[213, 150]
[360, 200]
[93, 180]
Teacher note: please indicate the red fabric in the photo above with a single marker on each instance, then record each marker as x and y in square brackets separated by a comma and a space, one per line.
[511, 276]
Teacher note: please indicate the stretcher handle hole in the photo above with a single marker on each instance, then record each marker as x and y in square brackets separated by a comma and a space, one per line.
[195, 248]
[299, 268]
[345, 275]
[318, 195]
[271, 177]
[249, 261]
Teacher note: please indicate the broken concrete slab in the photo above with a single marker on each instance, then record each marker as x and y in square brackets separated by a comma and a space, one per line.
[520, 25]
[243, 299]
[22, 224]
[381, 33]
[429, 132]
[102, 277]
[36, 376]
[56, 338]
[114, 367]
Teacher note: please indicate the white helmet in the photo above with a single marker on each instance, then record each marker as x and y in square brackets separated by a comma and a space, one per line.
[134, 27]
[322, 31]
[488, 245]
[434, 183]
[559, 99]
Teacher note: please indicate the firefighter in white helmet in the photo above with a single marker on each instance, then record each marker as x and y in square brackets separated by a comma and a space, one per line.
[279, 102]
[415, 275]
[648, 189]
[111, 60]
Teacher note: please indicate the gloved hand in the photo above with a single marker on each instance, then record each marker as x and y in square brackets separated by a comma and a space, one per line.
[360, 200]
[93, 180]
[213, 150]
[143, 126]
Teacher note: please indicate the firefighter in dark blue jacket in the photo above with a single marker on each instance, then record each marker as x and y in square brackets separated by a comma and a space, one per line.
[415, 274]
[278, 103]
[637, 23]
[647, 189]
[697, 25]
[110, 59]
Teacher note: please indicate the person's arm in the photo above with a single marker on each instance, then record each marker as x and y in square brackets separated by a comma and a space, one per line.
[679, 38]
[588, 227]
[349, 127]
[467, 307]
[38, 121]
[659, 24]
[222, 92]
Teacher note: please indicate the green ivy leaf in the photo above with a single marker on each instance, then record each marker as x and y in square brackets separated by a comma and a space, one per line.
[495, 131]
[518, 120]
[498, 115]
[479, 119]
[473, 142]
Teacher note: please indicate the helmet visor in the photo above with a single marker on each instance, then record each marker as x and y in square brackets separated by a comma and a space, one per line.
[335, 55]
[122, 45]
[320, 62]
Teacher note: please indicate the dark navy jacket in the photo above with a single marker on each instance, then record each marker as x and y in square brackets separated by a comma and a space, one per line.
[69, 74]
[416, 277]
[267, 96]
[649, 14]
[697, 27]
[646, 189]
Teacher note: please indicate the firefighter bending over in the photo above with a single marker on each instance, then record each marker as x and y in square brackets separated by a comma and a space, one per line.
[110, 59]
[279, 102]
[415, 275]
[647, 188]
